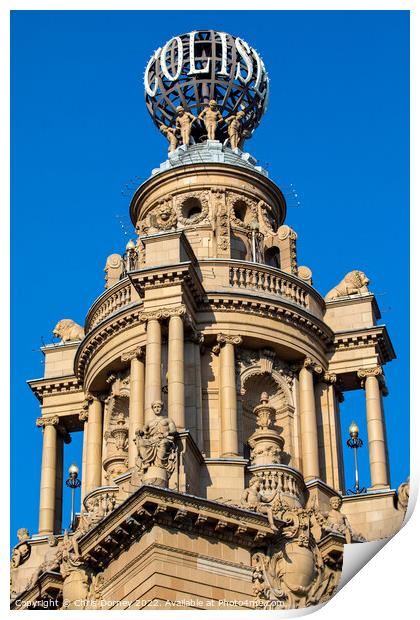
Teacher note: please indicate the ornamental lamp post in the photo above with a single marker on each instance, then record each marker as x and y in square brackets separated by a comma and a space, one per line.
[355, 443]
[73, 483]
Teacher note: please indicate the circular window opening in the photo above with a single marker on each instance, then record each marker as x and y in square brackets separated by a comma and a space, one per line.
[191, 207]
[240, 208]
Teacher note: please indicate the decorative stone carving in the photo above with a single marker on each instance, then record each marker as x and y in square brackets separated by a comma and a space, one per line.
[335, 521]
[291, 572]
[219, 219]
[114, 268]
[403, 495]
[68, 331]
[44, 421]
[163, 217]
[266, 444]
[253, 500]
[156, 448]
[132, 354]
[309, 363]
[22, 551]
[166, 313]
[288, 255]
[76, 575]
[181, 201]
[354, 283]
[305, 274]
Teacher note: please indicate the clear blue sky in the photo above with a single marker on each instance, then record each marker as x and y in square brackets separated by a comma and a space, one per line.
[337, 128]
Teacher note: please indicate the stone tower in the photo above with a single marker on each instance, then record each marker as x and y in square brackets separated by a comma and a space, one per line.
[207, 381]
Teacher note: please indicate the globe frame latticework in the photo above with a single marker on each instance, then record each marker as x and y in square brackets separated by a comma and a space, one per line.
[236, 89]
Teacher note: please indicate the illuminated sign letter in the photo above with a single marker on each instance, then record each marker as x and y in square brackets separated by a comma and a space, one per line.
[243, 51]
[151, 90]
[193, 69]
[163, 64]
[223, 70]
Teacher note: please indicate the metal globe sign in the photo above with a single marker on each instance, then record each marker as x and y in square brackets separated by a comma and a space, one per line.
[194, 69]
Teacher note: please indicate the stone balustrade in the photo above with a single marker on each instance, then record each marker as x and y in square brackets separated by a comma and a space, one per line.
[115, 298]
[288, 482]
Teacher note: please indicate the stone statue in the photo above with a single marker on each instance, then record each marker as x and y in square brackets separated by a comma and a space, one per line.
[170, 134]
[22, 551]
[355, 282]
[253, 500]
[234, 123]
[184, 120]
[403, 495]
[156, 448]
[211, 117]
[163, 216]
[68, 331]
[335, 521]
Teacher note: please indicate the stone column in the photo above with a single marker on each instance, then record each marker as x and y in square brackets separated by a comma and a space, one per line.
[83, 417]
[94, 445]
[176, 396]
[378, 458]
[153, 381]
[307, 416]
[199, 393]
[228, 401]
[48, 474]
[136, 410]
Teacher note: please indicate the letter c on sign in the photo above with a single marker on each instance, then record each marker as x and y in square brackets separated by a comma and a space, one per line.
[151, 90]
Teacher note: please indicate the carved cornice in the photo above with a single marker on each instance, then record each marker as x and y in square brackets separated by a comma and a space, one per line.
[223, 339]
[376, 336]
[149, 506]
[301, 319]
[137, 353]
[62, 385]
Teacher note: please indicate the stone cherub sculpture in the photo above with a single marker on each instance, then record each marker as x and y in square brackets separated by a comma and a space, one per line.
[68, 331]
[234, 123]
[156, 447]
[170, 134]
[335, 521]
[184, 120]
[355, 282]
[253, 500]
[211, 117]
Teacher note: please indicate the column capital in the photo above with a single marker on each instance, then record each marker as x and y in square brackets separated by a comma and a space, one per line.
[223, 339]
[133, 354]
[330, 377]
[90, 397]
[166, 313]
[375, 371]
[310, 364]
[52, 420]
[84, 415]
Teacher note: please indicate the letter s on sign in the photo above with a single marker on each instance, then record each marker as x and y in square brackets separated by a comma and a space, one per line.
[244, 51]
[151, 90]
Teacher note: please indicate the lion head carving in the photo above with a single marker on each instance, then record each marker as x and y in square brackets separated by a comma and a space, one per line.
[68, 330]
[164, 216]
[354, 283]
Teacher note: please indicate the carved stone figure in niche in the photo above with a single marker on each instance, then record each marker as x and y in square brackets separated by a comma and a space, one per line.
[211, 117]
[253, 500]
[234, 123]
[163, 216]
[68, 331]
[170, 134]
[335, 521]
[156, 447]
[184, 120]
[354, 283]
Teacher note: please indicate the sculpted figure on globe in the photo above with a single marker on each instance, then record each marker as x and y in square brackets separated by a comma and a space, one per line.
[234, 123]
[184, 121]
[211, 117]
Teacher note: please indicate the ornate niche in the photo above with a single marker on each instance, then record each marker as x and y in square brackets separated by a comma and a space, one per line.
[116, 427]
[262, 371]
